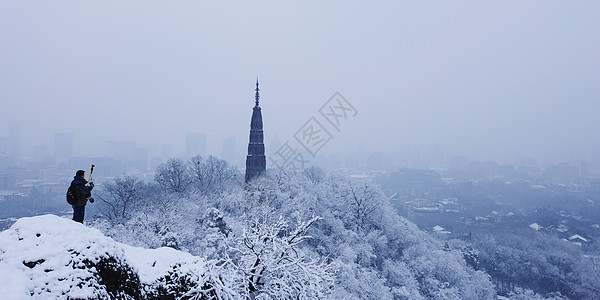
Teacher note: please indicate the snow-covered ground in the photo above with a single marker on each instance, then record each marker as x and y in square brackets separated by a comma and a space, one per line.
[53, 257]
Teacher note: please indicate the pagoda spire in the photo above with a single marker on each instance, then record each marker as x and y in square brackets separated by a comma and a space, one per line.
[257, 95]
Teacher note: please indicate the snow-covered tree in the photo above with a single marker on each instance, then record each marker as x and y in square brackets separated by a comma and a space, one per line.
[274, 266]
[363, 199]
[119, 197]
[314, 174]
[173, 176]
[212, 176]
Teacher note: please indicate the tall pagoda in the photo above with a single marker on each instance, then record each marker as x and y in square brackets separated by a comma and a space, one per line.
[256, 162]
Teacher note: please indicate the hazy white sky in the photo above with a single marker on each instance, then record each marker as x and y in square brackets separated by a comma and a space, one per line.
[480, 78]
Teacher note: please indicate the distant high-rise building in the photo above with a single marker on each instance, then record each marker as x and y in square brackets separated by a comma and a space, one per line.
[228, 149]
[195, 144]
[583, 169]
[458, 164]
[375, 161]
[563, 173]
[14, 135]
[140, 161]
[124, 151]
[4, 144]
[166, 152]
[276, 143]
[256, 161]
[437, 157]
[7, 180]
[40, 152]
[63, 145]
[6, 161]
[334, 162]
[49, 175]
[125, 157]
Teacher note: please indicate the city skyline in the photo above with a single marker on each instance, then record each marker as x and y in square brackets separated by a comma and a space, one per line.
[408, 157]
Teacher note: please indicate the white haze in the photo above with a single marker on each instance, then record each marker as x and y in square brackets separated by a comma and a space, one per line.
[484, 79]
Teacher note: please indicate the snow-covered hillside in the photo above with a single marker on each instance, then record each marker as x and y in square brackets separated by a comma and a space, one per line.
[52, 257]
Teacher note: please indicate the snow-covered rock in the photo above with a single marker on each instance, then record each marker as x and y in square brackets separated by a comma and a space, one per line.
[52, 257]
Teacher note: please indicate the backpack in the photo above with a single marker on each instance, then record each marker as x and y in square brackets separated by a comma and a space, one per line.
[71, 196]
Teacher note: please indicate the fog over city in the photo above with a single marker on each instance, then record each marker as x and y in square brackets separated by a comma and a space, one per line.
[300, 150]
[491, 81]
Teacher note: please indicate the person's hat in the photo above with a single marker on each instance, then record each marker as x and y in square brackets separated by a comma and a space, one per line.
[80, 173]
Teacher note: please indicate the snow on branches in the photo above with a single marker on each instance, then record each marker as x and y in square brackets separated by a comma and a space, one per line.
[274, 266]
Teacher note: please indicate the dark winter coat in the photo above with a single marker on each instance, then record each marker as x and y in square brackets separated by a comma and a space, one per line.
[81, 191]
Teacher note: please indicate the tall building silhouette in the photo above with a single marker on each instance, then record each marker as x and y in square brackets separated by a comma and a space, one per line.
[228, 149]
[63, 145]
[14, 134]
[195, 144]
[256, 162]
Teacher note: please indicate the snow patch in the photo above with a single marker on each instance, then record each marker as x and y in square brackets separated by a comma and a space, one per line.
[535, 226]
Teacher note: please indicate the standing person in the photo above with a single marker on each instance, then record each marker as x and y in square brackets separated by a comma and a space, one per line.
[82, 193]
